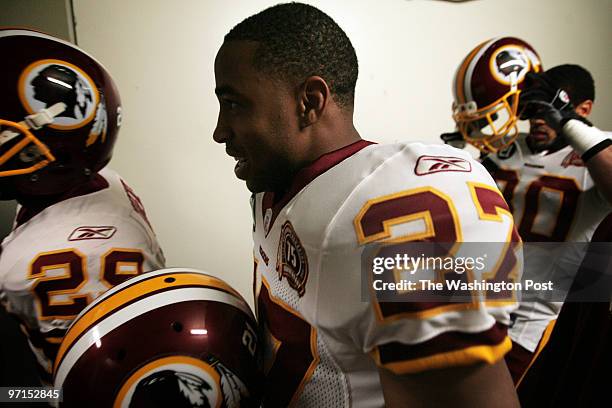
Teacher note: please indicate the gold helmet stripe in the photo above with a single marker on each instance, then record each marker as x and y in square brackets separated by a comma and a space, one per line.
[130, 294]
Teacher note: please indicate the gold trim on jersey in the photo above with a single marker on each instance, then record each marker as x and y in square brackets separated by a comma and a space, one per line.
[40, 277]
[543, 343]
[498, 210]
[313, 342]
[119, 264]
[463, 357]
[428, 233]
[497, 217]
[551, 229]
[538, 179]
[387, 224]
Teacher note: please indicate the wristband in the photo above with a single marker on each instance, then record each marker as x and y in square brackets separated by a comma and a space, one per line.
[581, 136]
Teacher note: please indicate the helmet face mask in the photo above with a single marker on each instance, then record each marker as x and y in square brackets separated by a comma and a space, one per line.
[486, 91]
[60, 114]
[21, 152]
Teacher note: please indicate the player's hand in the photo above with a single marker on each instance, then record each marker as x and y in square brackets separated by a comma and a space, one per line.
[454, 139]
[541, 99]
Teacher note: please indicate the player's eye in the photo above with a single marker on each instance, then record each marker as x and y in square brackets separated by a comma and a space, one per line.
[229, 104]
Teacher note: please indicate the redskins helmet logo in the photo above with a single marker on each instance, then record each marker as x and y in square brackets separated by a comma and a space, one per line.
[173, 379]
[47, 82]
[510, 64]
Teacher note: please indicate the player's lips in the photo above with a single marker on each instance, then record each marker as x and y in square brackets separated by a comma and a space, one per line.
[539, 135]
[242, 163]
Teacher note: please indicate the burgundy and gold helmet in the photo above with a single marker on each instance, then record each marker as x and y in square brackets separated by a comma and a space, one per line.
[170, 338]
[60, 113]
[486, 91]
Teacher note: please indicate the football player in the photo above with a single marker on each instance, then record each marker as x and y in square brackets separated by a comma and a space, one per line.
[553, 178]
[80, 229]
[574, 368]
[285, 81]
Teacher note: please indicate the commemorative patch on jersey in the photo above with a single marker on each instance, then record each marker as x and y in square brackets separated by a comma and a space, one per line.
[292, 262]
[101, 232]
[572, 159]
[436, 164]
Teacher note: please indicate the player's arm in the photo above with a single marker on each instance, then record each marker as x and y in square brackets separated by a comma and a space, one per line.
[544, 100]
[480, 385]
[595, 148]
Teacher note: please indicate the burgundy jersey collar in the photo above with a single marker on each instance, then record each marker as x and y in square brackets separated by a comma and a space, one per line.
[306, 175]
[34, 207]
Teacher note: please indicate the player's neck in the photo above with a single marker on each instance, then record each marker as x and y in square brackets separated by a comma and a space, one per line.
[34, 204]
[330, 139]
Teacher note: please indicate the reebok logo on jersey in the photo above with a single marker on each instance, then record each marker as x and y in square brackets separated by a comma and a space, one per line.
[82, 233]
[436, 164]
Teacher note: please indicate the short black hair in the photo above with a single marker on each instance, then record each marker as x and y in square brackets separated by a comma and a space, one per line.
[297, 41]
[573, 79]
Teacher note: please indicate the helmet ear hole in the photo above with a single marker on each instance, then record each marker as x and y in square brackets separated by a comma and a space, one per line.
[121, 354]
[30, 154]
[177, 327]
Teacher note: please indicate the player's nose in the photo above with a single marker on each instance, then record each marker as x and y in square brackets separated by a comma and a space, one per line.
[222, 133]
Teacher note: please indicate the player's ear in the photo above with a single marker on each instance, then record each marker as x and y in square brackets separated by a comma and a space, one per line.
[314, 97]
[584, 108]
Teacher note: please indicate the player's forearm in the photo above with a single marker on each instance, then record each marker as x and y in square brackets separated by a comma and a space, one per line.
[482, 385]
[595, 148]
[600, 168]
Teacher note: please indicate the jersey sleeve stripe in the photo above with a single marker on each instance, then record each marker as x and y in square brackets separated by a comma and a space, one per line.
[449, 349]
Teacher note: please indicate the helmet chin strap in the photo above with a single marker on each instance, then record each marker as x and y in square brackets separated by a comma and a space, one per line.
[35, 121]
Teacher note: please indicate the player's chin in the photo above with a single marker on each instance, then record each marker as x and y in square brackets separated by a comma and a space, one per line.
[256, 186]
[259, 182]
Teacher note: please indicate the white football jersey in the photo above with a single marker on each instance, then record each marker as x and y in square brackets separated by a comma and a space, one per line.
[58, 261]
[324, 343]
[553, 199]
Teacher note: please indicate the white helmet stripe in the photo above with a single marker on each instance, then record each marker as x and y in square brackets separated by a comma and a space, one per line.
[111, 322]
[467, 84]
